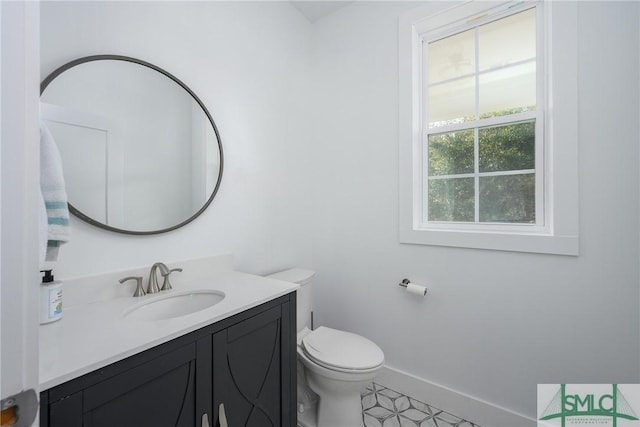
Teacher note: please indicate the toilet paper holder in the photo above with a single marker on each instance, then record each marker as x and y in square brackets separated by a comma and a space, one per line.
[418, 288]
[404, 283]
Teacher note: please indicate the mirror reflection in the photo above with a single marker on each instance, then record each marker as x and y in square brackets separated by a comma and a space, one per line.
[140, 152]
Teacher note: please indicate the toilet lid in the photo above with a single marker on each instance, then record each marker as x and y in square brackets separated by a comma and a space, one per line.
[342, 350]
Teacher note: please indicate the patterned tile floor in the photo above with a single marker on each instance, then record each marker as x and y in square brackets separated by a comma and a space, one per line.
[383, 407]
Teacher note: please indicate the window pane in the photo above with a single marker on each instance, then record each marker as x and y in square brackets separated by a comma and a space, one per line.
[451, 57]
[505, 148]
[509, 198]
[507, 40]
[452, 102]
[451, 153]
[508, 90]
[451, 200]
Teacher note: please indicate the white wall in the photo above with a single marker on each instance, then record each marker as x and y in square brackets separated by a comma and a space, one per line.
[494, 323]
[247, 62]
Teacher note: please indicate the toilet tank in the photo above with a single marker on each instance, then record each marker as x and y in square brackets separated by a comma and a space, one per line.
[303, 278]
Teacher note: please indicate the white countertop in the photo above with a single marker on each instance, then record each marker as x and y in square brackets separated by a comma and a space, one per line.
[95, 334]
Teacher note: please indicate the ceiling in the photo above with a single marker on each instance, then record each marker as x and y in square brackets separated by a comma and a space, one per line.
[314, 10]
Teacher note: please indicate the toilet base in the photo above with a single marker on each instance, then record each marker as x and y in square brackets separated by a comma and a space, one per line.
[339, 400]
[308, 418]
[348, 409]
[344, 411]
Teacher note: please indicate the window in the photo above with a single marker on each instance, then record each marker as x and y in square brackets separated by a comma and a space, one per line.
[482, 133]
[480, 102]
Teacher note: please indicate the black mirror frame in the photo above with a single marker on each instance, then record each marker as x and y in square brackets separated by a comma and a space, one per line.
[98, 224]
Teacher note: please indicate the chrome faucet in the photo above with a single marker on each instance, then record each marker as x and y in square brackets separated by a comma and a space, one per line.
[152, 286]
[139, 290]
[166, 285]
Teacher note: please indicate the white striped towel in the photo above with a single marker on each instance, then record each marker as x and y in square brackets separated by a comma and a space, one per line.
[53, 194]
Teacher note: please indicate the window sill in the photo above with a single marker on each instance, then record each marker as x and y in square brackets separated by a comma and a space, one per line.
[514, 242]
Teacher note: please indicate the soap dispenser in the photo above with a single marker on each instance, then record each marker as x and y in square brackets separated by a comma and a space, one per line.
[50, 298]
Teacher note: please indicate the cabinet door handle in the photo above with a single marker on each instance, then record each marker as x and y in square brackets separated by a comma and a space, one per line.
[222, 416]
[205, 420]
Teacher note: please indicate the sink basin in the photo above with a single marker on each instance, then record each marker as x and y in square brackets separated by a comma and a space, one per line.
[175, 305]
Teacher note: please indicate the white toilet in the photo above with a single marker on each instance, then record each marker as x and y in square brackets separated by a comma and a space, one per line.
[336, 365]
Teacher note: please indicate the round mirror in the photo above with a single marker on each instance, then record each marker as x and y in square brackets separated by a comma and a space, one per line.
[140, 152]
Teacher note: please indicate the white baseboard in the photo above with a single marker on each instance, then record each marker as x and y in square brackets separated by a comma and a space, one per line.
[459, 404]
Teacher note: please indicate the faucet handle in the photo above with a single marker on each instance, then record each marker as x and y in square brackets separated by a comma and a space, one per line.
[139, 290]
[166, 285]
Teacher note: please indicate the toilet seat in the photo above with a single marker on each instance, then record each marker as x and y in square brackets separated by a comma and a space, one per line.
[342, 351]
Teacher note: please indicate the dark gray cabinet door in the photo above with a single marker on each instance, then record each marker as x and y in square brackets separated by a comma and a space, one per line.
[65, 412]
[252, 371]
[158, 393]
[164, 389]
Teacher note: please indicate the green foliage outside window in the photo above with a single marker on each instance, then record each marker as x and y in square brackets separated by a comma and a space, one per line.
[504, 198]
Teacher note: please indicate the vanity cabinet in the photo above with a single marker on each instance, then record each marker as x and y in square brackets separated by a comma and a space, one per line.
[245, 364]
[252, 366]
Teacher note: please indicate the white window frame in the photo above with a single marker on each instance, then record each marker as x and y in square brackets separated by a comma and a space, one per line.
[556, 230]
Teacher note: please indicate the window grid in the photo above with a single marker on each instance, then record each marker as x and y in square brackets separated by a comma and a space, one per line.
[478, 123]
[478, 72]
[476, 133]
